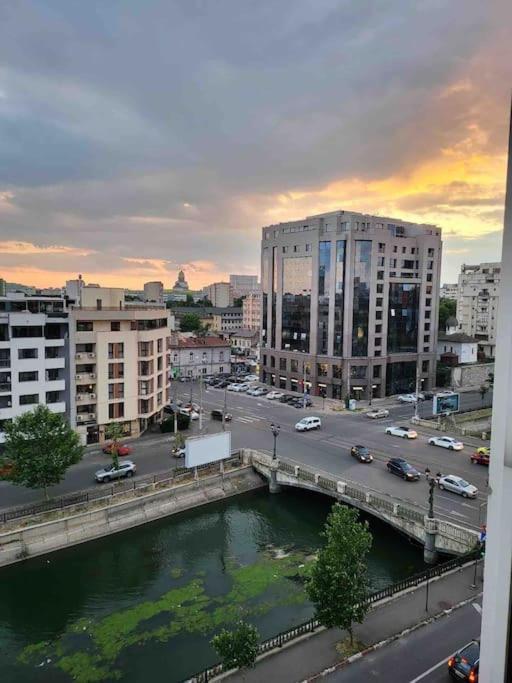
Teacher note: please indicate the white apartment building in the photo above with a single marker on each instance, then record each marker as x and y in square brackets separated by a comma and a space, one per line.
[449, 291]
[154, 291]
[251, 311]
[226, 319]
[219, 293]
[196, 356]
[33, 352]
[119, 363]
[242, 285]
[477, 303]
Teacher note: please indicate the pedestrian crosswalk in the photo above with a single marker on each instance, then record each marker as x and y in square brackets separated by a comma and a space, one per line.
[247, 419]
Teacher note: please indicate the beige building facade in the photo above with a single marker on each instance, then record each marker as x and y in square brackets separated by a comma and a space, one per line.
[219, 293]
[477, 303]
[251, 311]
[119, 364]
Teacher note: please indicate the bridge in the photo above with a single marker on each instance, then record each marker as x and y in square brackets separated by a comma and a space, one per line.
[437, 536]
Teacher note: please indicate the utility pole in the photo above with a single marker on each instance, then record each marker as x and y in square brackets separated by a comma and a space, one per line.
[224, 409]
[201, 403]
[416, 403]
[175, 404]
[304, 386]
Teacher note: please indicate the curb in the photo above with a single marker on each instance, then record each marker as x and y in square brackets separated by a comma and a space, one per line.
[377, 646]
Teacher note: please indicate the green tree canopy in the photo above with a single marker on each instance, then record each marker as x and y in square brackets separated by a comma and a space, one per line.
[190, 322]
[115, 433]
[338, 582]
[447, 309]
[40, 446]
[237, 649]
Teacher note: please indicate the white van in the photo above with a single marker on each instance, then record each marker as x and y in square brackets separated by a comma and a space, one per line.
[308, 423]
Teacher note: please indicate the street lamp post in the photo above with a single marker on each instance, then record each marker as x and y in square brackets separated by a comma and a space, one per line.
[432, 482]
[275, 433]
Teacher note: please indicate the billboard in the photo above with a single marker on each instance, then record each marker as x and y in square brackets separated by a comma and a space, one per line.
[445, 404]
[200, 450]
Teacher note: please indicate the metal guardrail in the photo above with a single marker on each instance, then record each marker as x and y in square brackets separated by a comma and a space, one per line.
[177, 475]
[311, 625]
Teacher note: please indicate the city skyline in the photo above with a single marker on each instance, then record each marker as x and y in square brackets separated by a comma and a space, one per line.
[113, 174]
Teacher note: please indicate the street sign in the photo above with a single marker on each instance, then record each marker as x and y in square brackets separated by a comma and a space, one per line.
[444, 404]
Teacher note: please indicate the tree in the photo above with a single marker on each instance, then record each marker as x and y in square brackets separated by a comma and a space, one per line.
[443, 375]
[190, 322]
[237, 649]
[115, 433]
[447, 309]
[238, 302]
[338, 581]
[168, 425]
[39, 447]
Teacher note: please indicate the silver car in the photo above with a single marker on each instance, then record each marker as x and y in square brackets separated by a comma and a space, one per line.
[126, 468]
[376, 413]
[455, 484]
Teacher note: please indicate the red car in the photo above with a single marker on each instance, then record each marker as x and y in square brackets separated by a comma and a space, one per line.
[480, 458]
[122, 451]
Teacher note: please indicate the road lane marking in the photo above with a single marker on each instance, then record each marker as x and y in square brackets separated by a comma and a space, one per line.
[477, 607]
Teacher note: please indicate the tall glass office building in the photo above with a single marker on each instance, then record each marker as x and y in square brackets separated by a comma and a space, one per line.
[350, 305]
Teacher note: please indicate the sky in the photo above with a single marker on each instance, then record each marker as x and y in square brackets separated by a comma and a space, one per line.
[141, 136]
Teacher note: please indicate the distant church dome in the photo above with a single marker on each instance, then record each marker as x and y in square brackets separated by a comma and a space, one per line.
[452, 322]
[181, 283]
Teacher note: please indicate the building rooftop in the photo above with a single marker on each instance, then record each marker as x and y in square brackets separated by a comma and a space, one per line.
[248, 334]
[197, 342]
[458, 337]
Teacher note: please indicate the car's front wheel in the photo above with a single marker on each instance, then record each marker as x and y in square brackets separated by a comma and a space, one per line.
[464, 494]
[129, 474]
[441, 487]
[105, 479]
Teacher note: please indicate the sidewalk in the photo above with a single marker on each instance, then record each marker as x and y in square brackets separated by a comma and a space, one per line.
[317, 652]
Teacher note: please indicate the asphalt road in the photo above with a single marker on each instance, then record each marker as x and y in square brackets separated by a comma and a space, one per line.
[326, 449]
[420, 657]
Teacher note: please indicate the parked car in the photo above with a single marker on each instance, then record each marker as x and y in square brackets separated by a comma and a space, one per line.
[308, 423]
[455, 484]
[361, 453]
[233, 386]
[178, 452]
[481, 456]
[251, 391]
[259, 391]
[217, 415]
[403, 432]
[444, 393]
[126, 468]
[252, 378]
[446, 442]
[464, 664]
[376, 413]
[192, 414]
[287, 398]
[428, 395]
[401, 468]
[121, 449]
[274, 395]
[406, 398]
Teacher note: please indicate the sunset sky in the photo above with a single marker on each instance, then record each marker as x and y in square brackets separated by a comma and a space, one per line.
[140, 136]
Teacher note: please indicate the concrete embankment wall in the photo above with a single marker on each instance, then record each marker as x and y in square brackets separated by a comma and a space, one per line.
[38, 539]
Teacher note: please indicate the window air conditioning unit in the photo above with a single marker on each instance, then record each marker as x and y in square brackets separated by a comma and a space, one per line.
[9, 404]
[78, 376]
[78, 356]
[79, 418]
[91, 355]
[79, 397]
[92, 375]
[93, 395]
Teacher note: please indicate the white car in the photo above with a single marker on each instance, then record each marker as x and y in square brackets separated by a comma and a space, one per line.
[376, 413]
[446, 442]
[451, 482]
[444, 394]
[192, 414]
[252, 391]
[242, 387]
[252, 378]
[407, 398]
[260, 391]
[403, 432]
[308, 423]
[274, 395]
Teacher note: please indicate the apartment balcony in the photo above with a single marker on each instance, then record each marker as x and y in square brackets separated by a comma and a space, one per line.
[85, 377]
[57, 407]
[5, 387]
[55, 384]
[55, 363]
[85, 418]
[54, 342]
[84, 397]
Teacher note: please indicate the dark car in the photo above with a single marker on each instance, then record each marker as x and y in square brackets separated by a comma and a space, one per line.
[361, 453]
[287, 398]
[401, 468]
[217, 415]
[464, 664]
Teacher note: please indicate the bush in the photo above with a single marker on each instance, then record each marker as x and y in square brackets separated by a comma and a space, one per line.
[168, 424]
[237, 649]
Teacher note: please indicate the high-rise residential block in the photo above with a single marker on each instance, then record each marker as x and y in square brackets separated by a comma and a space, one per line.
[242, 285]
[350, 304]
[119, 363]
[219, 293]
[33, 355]
[154, 291]
[449, 291]
[251, 311]
[477, 303]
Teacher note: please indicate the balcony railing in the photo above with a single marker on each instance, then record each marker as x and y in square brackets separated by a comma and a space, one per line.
[5, 386]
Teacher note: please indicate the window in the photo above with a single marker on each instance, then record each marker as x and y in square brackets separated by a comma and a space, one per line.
[115, 410]
[377, 369]
[429, 277]
[380, 288]
[378, 341]
[52, 375]
[29, 399]
[26, 331]
[285, 250]
[378, 329]
[116, 350]
[429, 289]
[116, 370]
[308, 247]
[324, 269]
[25, 354]
[99, 304]
[265, 359]
[295, 248]
[84, 326]
[430, 252]
[51, 352]
[382, 247]
[426, 338]
[380, 275]
[296, 303]
[337, 371]
[427, 327]
[321, 369]
[282, 364]
[160, 345]
[408, 264]
[159, 382]
[358, 371]
[381, 262]
[28, 376]
[424, 366]
[428, 302]
[403, 314]
[404, 249]
[379, 301]
[272, 362]
[294, 365]
[393, 262]
[378, 315]
[395, 249]
[221, 355]
[426, 349]
[339, 297]
[116, 390]
[427, 315]
[115, 326]
[378, 352]
[430, 265]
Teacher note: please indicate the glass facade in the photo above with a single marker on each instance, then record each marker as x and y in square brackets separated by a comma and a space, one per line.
[264, 298]
[274, 298]
[339, 297]
[361, 302]
[403, 314]
[324, 272]
[400, 377]
[296, 303]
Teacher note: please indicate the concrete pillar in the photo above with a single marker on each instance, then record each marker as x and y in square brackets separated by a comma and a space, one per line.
[273, 486]
[430, 555]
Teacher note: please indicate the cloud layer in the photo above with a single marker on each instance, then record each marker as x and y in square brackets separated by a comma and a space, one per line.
[137, 137]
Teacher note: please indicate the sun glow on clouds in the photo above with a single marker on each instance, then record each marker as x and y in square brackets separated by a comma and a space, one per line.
[27, 248]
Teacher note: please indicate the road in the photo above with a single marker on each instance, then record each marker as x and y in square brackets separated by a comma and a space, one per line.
[326, 449]
[419, 657]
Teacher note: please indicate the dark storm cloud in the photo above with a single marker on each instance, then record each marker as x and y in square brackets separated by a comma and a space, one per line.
[164, 129]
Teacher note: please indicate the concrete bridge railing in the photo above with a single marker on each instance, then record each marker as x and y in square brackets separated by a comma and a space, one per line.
[436, 535]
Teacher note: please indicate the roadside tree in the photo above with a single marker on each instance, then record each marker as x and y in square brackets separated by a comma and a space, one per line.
[39, 448]
[114, 432]
[338, 580]
[237, 649]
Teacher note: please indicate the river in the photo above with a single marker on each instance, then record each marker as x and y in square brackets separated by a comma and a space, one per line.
[142, 605]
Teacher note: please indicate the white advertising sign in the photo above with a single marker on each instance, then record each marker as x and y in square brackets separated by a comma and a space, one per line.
[200, 450]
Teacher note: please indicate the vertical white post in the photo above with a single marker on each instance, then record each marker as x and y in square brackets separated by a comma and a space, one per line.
[200, 402]
[495, 636]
